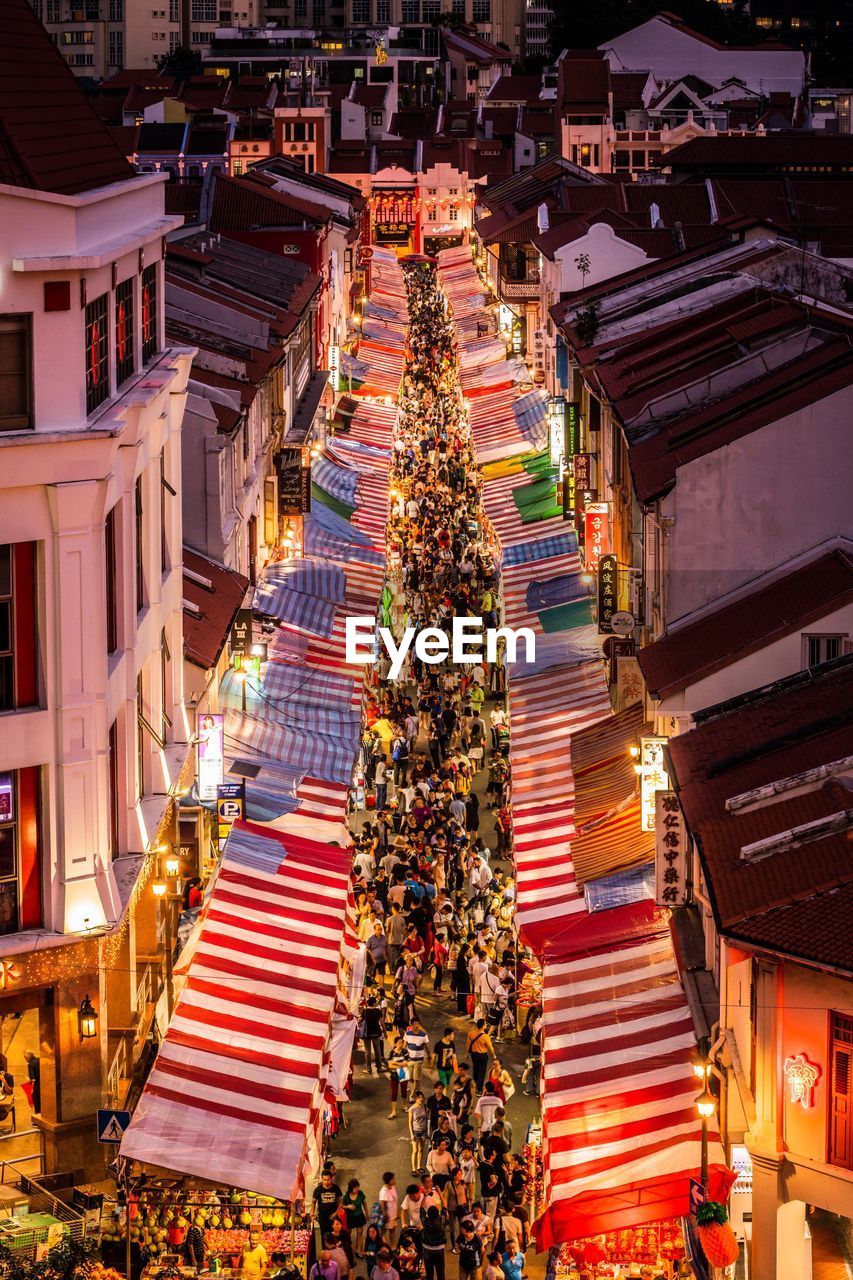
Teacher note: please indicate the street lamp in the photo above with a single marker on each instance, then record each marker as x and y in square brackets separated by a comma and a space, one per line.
[241, 677]
[706, 1105]
[173, 867]
[87, 1020]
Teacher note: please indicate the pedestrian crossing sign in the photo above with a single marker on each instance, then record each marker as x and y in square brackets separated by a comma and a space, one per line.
[112, 1124]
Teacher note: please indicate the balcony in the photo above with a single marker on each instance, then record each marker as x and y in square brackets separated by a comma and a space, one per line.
[525, 290]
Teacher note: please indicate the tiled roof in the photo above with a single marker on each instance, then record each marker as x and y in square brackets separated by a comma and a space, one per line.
[161, 138]
[50, 137]
[125, 137]
[474, 48]
[584, 84]
[768, 613]
[246, 204]
[371, 96]
[213, 603]
[753, 152]
[502, 120]
[627, 88]
[413, 123]
[356, 159]
[515, 89]
[443, 151]
[207, 139]
[796, 901]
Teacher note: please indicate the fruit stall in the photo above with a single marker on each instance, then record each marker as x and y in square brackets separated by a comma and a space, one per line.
[162, 1212]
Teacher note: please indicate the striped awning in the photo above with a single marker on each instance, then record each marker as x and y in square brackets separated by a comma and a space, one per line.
[235, 1092]
[611, 843]
[621, 1134]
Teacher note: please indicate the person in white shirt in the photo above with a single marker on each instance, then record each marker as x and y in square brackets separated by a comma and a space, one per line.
[487, 1104]
[389, 1200]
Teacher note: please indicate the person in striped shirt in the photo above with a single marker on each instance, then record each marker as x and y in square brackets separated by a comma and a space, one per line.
[418, 1047]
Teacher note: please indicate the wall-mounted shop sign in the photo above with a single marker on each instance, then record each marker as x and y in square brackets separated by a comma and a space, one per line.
[608, 592]
[294, 481]
[670, 851]
[596, 521]
[801, 1076]
[241, 632]
[653, 777]
[391, 232]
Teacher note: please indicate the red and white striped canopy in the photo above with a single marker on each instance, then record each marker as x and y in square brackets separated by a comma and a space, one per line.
[621, 1133]
[235, 1093]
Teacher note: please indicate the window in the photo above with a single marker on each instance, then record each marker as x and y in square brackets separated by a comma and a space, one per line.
[78, 37]
[97, 353]
[17, 626]
[300, 11]
[165, 681]
[411, 10]
[115, 790]
[453, 215]
[53, 10]
[458, 8]
[174, 41]
[111, 570]
[16, 360]
[140, 739]
[20, 873]
[431, 9]
[125, 363]
[116, 48]
[822, 648]
[481, 11]
[174, 10]
[319, 12]
[841, 1091]
[93, 10]
[165, 489]
[203, 11]
[150, 304]
[383, 11]
[376, 119]
[139, 546]
[116, 10]
[361, 10]
[38, 9]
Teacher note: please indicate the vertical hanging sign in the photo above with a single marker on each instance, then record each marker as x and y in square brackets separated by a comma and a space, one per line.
[670, 851]
[608, 591]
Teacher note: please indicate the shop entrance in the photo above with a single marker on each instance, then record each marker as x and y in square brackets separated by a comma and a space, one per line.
[26, 1041]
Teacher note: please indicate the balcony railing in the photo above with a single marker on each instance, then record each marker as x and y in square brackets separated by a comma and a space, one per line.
[526, 290]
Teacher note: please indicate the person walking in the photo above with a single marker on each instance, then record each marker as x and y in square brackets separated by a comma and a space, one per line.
[417, 1047]
[374, 1033]
[480, 1049]
[354, 1205]
[418, 1129]
[434, 1241]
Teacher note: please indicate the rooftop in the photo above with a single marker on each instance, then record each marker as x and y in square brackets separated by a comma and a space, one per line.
[212, 595]
[769, 612]
[797, 900]
[51, 139]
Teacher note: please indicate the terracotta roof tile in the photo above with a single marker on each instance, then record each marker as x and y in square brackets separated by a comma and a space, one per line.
[797, 900]
[51, 139]
[207, 621]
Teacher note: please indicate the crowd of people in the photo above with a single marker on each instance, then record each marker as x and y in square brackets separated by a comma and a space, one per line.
[434, 908]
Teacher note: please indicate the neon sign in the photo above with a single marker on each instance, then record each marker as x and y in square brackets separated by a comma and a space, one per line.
[801, 1076]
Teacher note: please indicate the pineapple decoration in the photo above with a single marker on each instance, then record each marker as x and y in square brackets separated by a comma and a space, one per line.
[715, 1234]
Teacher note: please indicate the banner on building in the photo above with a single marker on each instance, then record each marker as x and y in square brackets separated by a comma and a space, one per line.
[582, 468]
[671, 846]
[629, 682]
[210, 734]
[294, 481]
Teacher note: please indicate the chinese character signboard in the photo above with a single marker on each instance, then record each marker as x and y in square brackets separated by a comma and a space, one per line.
[582, 469]
[608, 591]
[629, 682]
[572, 441]
[391, 232]
[653, 777]
[596, 521]
[670, 851]
[210, 734]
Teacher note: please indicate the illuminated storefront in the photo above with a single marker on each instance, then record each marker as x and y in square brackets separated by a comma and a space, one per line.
[395, 217]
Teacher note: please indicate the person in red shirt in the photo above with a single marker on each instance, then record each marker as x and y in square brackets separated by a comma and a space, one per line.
[439, 959]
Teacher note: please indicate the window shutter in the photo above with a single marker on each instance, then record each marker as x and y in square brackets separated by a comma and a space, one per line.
[840, 1131]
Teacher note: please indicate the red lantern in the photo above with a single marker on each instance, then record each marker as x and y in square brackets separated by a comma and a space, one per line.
[577, 1253]
[593, 1253]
